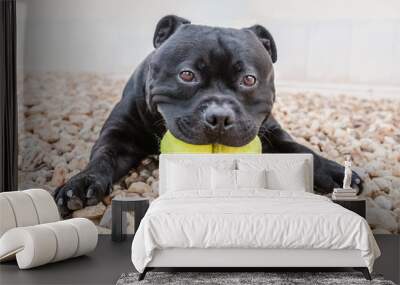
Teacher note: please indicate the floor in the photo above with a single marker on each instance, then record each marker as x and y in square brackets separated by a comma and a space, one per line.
[110, 260]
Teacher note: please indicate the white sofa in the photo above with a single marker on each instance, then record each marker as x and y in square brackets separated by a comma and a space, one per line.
[31, 231]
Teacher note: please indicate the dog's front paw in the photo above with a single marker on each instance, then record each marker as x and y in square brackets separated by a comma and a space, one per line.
[329, 175]
[87, 188]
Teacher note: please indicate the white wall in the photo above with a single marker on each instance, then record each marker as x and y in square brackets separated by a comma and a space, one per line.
[319, 42]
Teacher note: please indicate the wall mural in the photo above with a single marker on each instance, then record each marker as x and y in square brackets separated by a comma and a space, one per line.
[62, 114]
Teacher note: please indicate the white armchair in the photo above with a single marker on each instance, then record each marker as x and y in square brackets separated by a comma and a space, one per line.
[31, 230]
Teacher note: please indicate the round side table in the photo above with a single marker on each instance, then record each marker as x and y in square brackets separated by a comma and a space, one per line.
[138, 205]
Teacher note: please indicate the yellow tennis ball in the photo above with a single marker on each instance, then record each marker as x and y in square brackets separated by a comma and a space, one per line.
[252, 147]
[171, 144]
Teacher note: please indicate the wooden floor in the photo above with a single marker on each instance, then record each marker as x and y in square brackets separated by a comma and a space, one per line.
[110, 260]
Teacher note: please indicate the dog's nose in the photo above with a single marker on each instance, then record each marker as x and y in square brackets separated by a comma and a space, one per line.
[219, 117]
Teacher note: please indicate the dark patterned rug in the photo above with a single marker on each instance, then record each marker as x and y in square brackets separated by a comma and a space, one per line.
[243, 278]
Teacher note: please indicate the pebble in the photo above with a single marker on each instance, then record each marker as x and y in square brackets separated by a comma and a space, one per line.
[107, 218]
[32, 160]
[133, 195]
[397, 213]
[367, 144]
[373, 168]
[59, 175]
[382, 218]
[381, 231]
[384, 202]
[395, 182]
[49, 135]
[71, 174]
[370, 187]
[370, 203]
[90, 212]
[383, 183]
[396, 204]
[361, 172]
[139, 187]
[32, 100]
[150, 180]
[77, 163]
[150, 194]
[154, 187]
[107, 200]
[146, 161]
[156, 175]
[145, 173]
[133, 177]
[103, 231]
[383, 173]
[396, 170]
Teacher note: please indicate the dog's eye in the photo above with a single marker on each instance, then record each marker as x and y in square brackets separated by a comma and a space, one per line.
[249, 80]
[186, 75]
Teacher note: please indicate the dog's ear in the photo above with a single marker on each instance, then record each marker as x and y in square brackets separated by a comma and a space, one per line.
[166, 27]
[266, 39]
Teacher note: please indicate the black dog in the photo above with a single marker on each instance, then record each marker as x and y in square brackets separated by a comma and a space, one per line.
[204, 84]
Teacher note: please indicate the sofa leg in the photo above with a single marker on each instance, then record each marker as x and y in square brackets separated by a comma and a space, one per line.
[364, 271]
[142, 275]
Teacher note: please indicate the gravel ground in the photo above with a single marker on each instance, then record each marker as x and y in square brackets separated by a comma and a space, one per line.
[61, 115]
